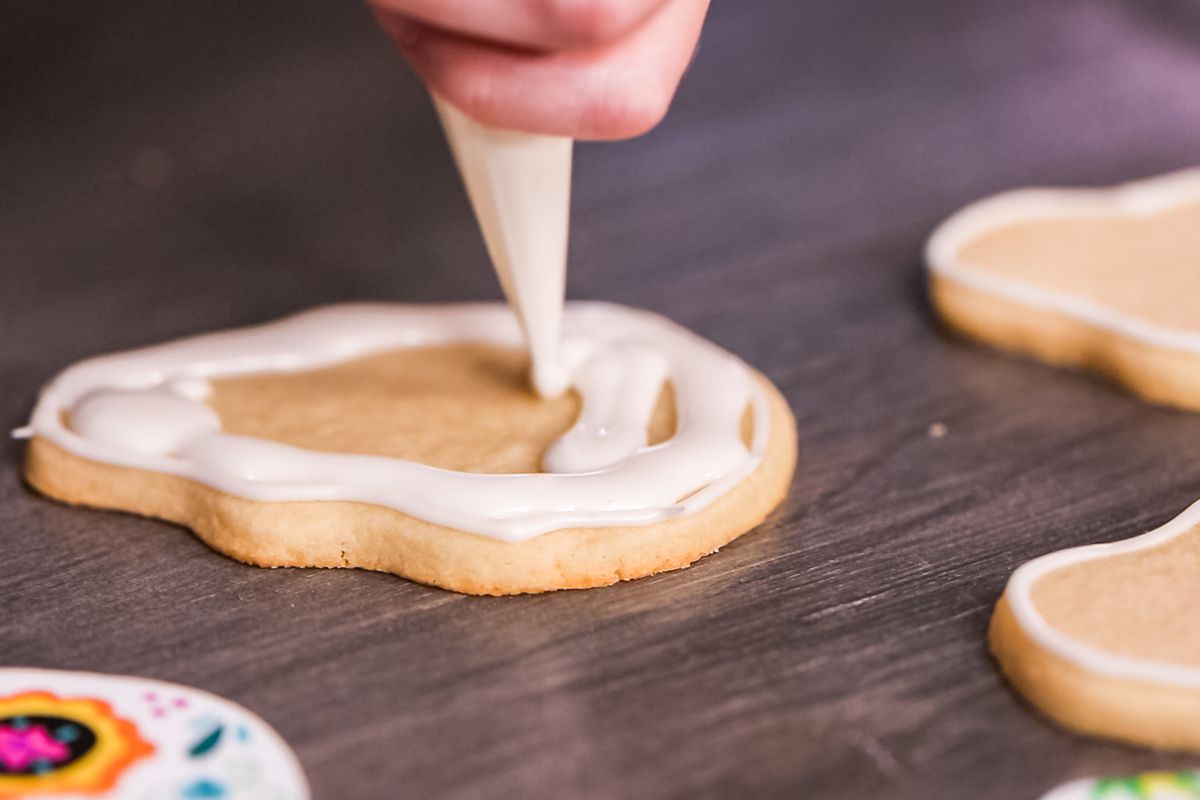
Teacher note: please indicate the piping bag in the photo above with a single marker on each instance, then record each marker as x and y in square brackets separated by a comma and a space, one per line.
[520, 188]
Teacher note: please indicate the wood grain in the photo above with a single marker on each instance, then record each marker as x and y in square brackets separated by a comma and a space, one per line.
[173, 168]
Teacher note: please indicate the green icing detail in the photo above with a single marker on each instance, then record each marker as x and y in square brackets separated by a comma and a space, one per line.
[1148, 786]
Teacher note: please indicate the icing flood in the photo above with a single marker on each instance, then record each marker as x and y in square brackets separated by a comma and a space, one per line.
[147, 409]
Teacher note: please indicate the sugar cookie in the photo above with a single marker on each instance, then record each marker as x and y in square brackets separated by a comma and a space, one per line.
[1145, 786]
[405, 439]
[1104, 638]
[1098, 278]
[66, 735]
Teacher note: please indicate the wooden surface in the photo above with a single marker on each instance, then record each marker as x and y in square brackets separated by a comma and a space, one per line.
[169, 168]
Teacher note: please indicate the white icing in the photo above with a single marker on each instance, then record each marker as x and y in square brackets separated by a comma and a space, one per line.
[1075, 790]
[1139, 198]
[152, 422]
[249, 760]
[1160, 786]
[520, 188]
[145, 409]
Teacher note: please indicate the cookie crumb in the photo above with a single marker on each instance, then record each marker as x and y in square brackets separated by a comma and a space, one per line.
[938, 430]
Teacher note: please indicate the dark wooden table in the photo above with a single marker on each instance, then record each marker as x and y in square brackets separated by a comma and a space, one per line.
[169, 168]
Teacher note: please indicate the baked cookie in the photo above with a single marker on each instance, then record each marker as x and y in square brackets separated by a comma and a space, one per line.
[1104, 638]
[405, 439]
[67, 735]
[1098, 278]
[1146, 786]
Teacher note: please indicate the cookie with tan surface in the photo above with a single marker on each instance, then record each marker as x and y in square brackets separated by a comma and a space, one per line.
[1103, 279]
[1103, 639]
[406, 439]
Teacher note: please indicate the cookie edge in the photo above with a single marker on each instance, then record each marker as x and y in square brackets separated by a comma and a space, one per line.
[295, 533]
[1133, 711]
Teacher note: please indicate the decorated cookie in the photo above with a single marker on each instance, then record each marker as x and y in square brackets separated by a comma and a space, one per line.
[406, 439]
[1104, 638]
[1104, 279]
[72, 735]
[1147, 786]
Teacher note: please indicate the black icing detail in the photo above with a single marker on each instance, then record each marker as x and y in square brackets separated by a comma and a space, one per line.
[75, 736]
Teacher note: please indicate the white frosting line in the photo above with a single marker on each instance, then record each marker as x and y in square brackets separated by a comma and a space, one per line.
[1139, 198]
[1019, 593]
[1075, 790]
[144, 409]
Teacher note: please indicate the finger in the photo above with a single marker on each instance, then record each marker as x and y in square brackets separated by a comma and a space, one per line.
[540, 24]
[612, 92]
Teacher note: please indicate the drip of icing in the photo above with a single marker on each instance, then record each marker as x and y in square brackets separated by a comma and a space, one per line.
[520, 188]
[626, 382]
[145, 409]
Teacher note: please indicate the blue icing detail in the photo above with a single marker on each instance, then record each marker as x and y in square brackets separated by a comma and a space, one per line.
[205, 721]
[207, 743]
[243, 733]
[66, 733]
[203, 789]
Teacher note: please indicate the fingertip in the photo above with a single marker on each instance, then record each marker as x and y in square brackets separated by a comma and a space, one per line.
[400, 29]
[604, 94]
[622, 112]
[586, 24]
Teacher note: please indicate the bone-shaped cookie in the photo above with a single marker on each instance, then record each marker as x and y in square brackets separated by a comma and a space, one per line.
[1104, 279]
[1104, 639]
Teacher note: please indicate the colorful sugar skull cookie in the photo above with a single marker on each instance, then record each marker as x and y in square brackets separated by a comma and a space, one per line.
[76, 734]
[1147, 786]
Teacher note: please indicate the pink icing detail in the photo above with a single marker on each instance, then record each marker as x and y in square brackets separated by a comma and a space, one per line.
[181, 702]
[21, 746]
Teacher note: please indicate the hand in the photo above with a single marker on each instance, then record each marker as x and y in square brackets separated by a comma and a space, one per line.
[589, 69]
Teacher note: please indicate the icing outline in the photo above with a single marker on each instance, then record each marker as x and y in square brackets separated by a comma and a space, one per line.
[1136, 198]
[643, 485]
[1095, 659]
